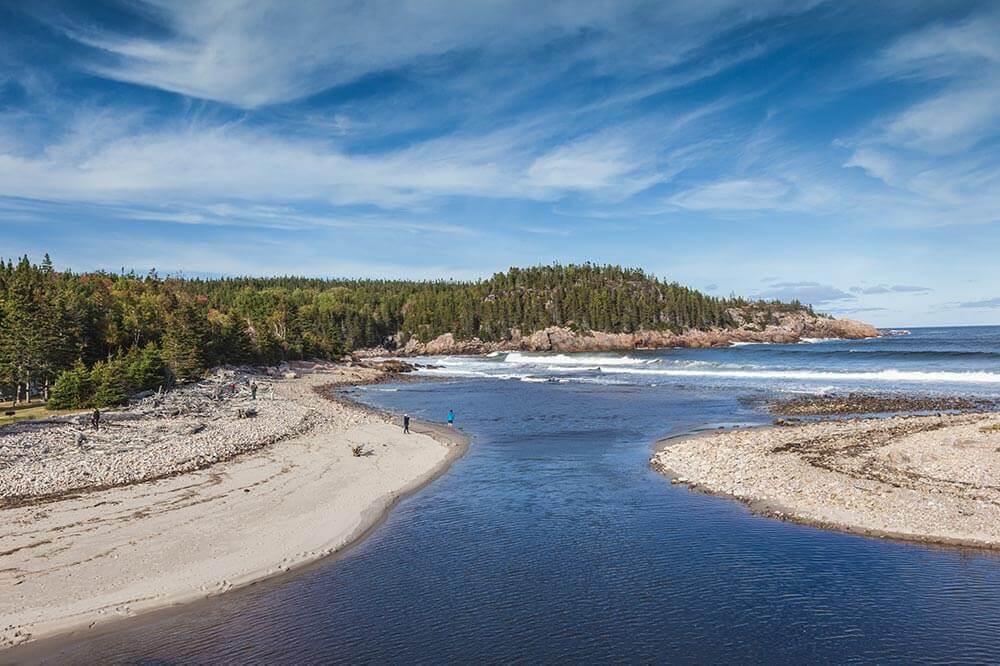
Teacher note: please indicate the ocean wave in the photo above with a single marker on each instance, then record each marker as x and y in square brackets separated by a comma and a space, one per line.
[889, 375]
[575, 360]
[905, 355]
[923, 353]
[467, 372]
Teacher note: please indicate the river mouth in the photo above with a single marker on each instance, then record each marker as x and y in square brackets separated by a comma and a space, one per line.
[554, 540]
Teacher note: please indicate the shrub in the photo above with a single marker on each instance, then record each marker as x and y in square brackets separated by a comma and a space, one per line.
[143, 369]
[108, 382]
[72, 389]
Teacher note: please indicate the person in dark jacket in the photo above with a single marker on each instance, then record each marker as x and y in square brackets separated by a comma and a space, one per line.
[406, 423]
[95, 419]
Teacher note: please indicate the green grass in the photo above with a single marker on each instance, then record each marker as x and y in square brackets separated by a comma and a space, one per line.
[30, 411]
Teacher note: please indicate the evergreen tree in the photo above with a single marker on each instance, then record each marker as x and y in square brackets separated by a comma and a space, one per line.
[185, 343]
[73, 389]
[108, 382]
[148, 329]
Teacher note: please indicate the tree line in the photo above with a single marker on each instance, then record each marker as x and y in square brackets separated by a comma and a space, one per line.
[92, 339]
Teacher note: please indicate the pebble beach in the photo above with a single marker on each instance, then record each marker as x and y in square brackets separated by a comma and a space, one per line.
[928, 478]
[161, 505]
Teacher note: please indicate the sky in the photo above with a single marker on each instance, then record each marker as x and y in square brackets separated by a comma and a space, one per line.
[843, 153]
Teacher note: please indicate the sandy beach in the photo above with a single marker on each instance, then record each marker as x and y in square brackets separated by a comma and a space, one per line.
[923, 478]
[75, 559]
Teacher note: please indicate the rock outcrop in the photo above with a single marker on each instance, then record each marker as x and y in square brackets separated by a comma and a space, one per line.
[789, 328]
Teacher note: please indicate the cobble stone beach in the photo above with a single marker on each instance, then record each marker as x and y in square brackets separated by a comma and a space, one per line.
[925, 478]
[192, 493]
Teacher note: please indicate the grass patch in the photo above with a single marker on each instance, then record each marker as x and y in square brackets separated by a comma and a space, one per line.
[31, 411]
[995, 427]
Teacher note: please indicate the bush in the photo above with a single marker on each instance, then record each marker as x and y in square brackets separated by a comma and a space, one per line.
[143, 369]
[108, 382]
[73, 389]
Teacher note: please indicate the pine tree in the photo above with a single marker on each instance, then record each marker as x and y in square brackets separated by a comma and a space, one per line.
[22, 353]
[108, 384]
[185, 343]
[72, 389]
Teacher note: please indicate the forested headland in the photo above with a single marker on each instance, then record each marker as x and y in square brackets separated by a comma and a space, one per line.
[91, 339]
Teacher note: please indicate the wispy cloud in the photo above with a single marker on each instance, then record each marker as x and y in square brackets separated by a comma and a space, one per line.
[849, 310]
[985, 303]
[938, 153]
[941, 50]
[754, 195]
[251, 54]
[891, 289]
[814, 293]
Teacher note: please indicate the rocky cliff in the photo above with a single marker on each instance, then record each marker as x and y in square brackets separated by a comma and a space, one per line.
[788, 328]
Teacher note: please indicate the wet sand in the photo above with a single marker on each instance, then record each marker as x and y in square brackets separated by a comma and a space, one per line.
[932, 479]
[83, 561]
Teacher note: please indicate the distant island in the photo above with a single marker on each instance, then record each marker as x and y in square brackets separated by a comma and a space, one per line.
[92, 339]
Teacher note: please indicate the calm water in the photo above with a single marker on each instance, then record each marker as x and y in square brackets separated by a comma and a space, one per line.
[552, 540]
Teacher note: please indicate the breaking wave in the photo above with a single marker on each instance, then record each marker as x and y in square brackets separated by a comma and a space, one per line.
[592, 360]
[889, 375]
[928, 361]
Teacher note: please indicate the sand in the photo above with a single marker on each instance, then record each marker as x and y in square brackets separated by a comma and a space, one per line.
[80, 562]
[934, 479]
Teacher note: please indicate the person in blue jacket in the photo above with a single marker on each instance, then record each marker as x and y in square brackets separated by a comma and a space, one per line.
[451, 417]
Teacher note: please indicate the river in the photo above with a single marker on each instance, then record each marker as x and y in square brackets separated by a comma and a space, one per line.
[553, 540]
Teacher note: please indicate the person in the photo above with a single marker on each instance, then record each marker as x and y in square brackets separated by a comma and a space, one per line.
[451, 417]
[95, 419]
[253, 390]
[406, 423]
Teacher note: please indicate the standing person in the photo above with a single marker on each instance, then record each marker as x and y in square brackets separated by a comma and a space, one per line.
[451, 417]
[406, 423]
[95, 419]
[253, 390]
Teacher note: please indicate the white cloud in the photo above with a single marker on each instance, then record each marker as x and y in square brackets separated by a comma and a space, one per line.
[735, 195]
[756, 195]
[891, 289]
[253, 53]
[103, 161]
[874, 163]
[813, 293]
[950, 122]
[985, 303]
[942, 50]
[593, 163]
[938, 153]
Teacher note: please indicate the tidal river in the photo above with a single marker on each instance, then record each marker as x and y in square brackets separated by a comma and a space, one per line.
[553, 540]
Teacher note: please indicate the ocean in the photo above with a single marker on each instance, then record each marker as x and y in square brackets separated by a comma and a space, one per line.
[552, 540]
[931, 360]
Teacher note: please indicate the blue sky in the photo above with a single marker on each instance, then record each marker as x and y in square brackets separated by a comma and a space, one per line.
[843, 153]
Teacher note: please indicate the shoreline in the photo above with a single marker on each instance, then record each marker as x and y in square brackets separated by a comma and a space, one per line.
[745, 465]
[351, 513]
[794, 329]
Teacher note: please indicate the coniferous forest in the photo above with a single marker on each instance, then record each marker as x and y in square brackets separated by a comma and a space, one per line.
[91, 339]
